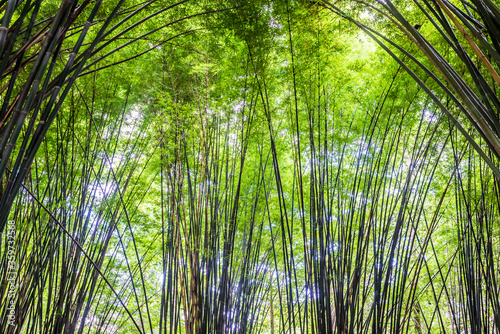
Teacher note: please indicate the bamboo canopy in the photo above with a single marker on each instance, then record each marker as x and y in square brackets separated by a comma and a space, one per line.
[286, 166]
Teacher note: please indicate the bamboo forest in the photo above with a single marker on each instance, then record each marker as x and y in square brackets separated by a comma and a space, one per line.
[249, 166]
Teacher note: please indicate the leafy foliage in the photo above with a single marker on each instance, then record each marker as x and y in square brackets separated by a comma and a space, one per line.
[239, 167]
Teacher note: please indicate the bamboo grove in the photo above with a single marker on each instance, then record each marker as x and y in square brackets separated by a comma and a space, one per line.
[249, 166]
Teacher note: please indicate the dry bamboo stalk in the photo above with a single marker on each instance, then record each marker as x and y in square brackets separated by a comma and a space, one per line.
[472, 44]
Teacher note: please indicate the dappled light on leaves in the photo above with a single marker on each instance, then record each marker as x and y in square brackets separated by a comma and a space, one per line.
[249, 166]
